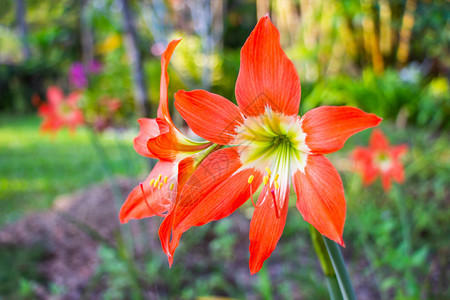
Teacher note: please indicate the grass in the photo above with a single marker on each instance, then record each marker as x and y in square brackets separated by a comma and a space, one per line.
[36, 168]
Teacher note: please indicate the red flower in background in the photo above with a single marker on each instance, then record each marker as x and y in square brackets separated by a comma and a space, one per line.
[60, 111]
[272, 147]
[380, 159]
[178, 155]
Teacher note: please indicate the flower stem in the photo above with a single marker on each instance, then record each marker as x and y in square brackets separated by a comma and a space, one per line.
[325, 262]
[341, 271]
[397, 197]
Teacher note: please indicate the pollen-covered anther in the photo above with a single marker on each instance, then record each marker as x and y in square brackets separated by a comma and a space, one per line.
[276, 177]
[250, 180]
[265, 180]
[165, 179]
[172, 185]
[155, 184]
[159, 177]
[160, 185]
[269, 172]
[152, 181]
[277, 186]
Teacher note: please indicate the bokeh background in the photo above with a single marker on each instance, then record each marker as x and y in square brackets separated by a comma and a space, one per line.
[60, 193]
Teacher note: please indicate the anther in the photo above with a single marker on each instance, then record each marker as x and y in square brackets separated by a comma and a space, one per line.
[250, 179]
[156, 183]
[276, 177]
[165, 179]
[152, 181]
[265, 179]
[159, 177]
[160, 186]
[172, 185]
[268, 171]
[277, 186]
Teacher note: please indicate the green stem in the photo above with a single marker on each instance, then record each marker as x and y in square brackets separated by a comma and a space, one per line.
[264, 284]
[397, 197]
[341, 271]
[325, 262]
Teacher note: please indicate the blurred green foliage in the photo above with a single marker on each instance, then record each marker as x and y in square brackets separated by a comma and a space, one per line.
[389, 96]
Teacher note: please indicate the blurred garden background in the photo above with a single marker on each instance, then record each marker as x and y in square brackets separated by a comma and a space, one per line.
[60, 193]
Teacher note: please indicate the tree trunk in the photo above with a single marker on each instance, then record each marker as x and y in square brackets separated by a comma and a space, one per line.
[23, 30]
[87, 37]
[131, 45]
[405, 32]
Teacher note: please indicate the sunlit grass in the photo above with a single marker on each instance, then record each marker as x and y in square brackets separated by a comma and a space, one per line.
[36, 168]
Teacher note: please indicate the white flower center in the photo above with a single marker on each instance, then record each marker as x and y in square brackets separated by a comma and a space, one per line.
[274, 141]
[383, 162]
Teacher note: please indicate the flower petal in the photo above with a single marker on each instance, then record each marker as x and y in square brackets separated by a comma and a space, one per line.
[398, 151]
[363, 159]
[170, 238]
[215, 190]
[163, 109]
[327, 128]
[54, 95]
[265, 231]
[378, 140]
[149, 128]
[211, 116]
[135, 207]
[397, 172]
[266, 76]
[73, 98]
[386, 181]
[172, 145]
[320, 197]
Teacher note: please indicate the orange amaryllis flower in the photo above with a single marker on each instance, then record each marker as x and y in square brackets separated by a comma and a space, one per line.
[272, 147]
[159, 138]
[380, 159]
[60, 111]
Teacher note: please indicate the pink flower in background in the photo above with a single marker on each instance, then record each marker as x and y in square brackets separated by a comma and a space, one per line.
[380, 159]
[157, 49]
[94, 67]
[77, 76]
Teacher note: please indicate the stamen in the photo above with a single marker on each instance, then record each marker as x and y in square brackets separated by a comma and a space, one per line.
[172, 185]
[276, 177]
[277, 186]
[152, 181]
[268, 171]
[148, 205]
[265, 180]
[165, 179]
[250, 179]
[277, 214]
[159, 177]
[156, 183]
[160, 186]
[251, 194]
